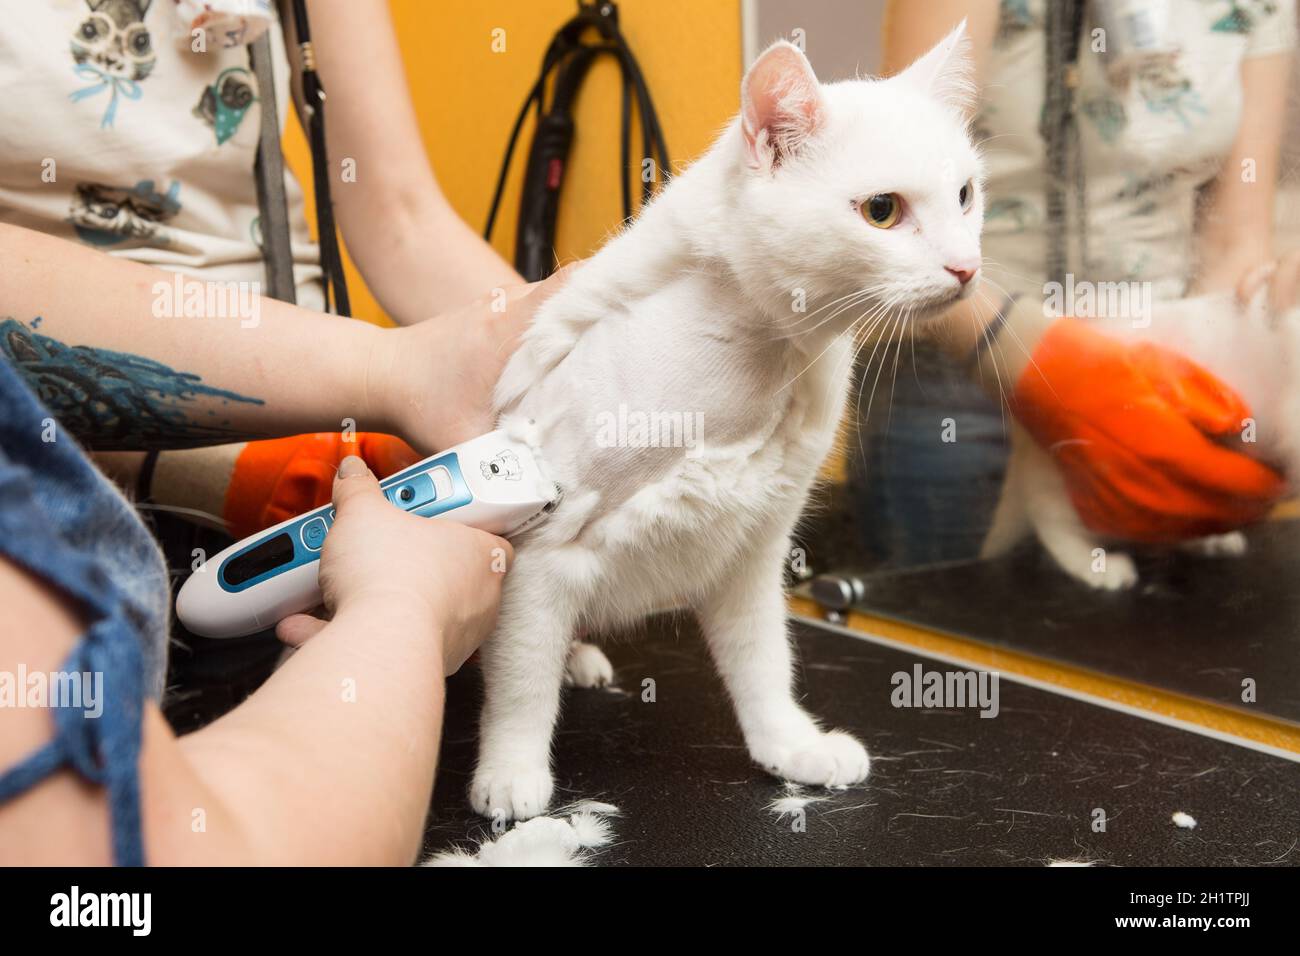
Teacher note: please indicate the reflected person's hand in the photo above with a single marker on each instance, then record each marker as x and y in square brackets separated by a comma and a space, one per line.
[1282, 279]
[1142, 436]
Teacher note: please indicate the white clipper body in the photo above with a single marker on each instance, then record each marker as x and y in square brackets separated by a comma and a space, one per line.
[490, 482]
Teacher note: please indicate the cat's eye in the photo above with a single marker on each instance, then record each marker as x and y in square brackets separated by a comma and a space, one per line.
[967, 195]
[882, 211]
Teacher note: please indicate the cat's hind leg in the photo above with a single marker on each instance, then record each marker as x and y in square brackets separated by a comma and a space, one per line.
[744, 621]
[523, 667]
[1062, 532]
[587, 666]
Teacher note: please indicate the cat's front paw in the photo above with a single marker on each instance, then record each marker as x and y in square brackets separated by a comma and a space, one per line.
[823, 759]
[515, 793]
[587, 666]
[1117, 573]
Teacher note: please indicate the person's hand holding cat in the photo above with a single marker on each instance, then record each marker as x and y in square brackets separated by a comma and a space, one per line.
[446, 577]
[436, 378]
[1142, 436]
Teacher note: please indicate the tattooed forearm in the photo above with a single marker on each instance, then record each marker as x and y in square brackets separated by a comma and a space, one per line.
[118, 401]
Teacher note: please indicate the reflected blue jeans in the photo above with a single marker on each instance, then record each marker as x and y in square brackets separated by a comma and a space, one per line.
[62, 521]
[929, 469]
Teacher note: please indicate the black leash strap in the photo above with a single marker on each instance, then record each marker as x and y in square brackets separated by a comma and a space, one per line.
[331, 258]
[571, 59]
[277, 254]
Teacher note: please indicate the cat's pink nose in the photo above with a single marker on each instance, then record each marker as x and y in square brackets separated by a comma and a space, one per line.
[963, 273]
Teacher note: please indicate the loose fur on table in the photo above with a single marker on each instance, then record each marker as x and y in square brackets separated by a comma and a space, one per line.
[567, 839]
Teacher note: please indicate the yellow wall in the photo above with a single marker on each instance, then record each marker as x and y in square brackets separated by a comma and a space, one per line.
[466, 97]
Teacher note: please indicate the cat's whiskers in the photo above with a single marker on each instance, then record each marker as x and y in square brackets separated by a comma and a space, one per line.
[848, 359]
[806, 316]
[859, 333]
[884, 316]
[989, 139]
[857, 405]
[887, 341]
[899, 326]
[1004, 398]
[986, 261]
[915, 372]
[841, 304]
[856, 300]
[1015, 337]
[901, 321]
[906, 324]
[815, 360]
[875, 310]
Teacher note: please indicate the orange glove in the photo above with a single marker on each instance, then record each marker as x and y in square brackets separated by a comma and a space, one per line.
[277, 479]
[1133, 429]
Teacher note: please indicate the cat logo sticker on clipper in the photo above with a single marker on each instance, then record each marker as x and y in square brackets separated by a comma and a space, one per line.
[504, 465]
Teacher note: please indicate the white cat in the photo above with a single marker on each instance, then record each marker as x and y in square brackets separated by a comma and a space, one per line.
[859, 201]
[1254, 352]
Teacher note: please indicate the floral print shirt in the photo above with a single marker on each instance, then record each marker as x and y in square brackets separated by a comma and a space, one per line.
[119, 134]
[1148, 141]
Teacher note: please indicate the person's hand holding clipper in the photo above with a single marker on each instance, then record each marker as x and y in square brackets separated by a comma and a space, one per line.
[445, 576]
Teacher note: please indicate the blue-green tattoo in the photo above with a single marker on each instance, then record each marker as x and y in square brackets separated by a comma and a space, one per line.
[118, 401]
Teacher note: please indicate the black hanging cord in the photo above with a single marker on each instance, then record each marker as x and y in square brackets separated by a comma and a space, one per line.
[272, 203]
[570, 59]
[331, 258]
[1060, 132]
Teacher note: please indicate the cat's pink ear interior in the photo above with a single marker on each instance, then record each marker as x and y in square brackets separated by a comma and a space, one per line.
[947, 71]
[780, 105]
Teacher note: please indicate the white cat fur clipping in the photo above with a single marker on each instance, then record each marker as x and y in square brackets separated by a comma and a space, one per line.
[569, 838]
[691, 313]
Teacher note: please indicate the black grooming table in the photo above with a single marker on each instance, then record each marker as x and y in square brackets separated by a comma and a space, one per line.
[1194, 625]
[946, 786]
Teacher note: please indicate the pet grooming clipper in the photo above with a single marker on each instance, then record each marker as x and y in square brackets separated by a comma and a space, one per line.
[489, 482]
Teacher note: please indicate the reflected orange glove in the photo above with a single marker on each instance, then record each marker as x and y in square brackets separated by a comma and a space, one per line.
[277, 479]
[1133, 428]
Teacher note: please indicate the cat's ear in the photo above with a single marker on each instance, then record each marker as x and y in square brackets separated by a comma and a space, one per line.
[947, 72]
[780, 105]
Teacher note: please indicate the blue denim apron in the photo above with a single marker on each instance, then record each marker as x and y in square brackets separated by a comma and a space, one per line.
[61, 520]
